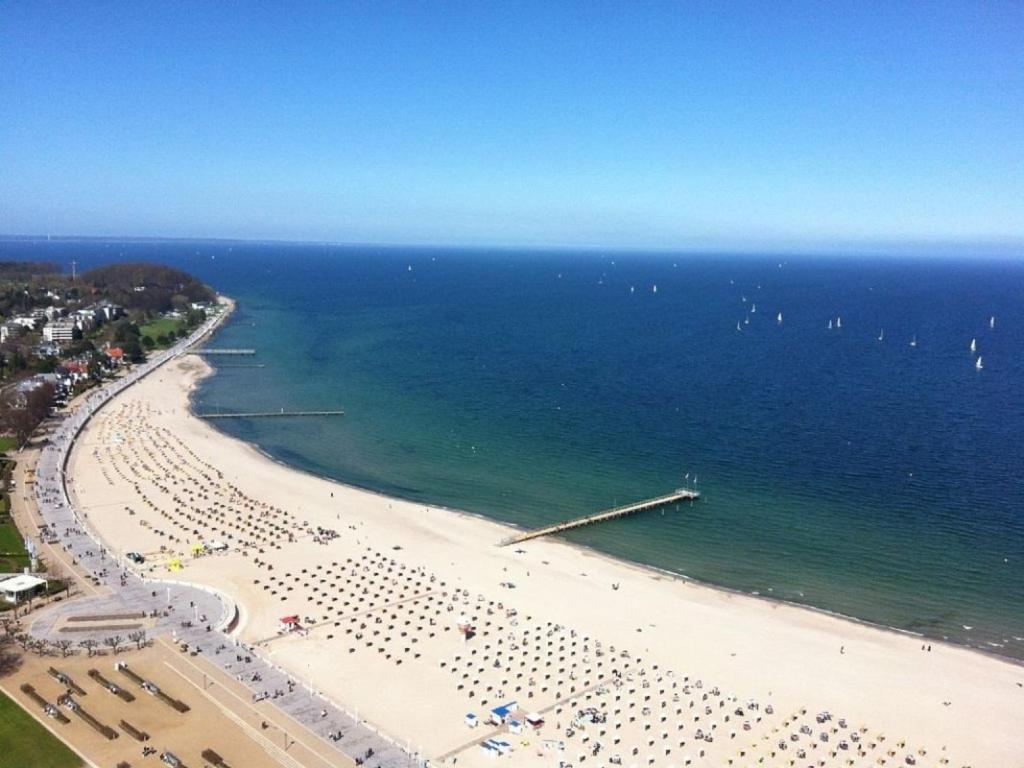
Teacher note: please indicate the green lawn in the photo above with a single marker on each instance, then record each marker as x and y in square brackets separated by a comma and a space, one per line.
[12, 548]
[27, 743]
[7, 443]
[163, 325]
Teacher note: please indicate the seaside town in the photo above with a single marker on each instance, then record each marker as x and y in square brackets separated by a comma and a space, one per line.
[173, 596]
[60, 335]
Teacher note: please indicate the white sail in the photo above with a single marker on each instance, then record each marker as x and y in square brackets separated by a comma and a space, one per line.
[974, 345]
[778, 318]
[839, 322]
[913, 341]
[977, 364]
[881, 334]
[830, 325]
[992, 322]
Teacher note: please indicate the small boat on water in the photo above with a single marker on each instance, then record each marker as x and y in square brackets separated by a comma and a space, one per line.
[839, 322]
[753, 308]
[974, 346]
[738, 326]
[881, 335]
[830, 325]
[992, 322]
[778, 318]
[913, 341]
[977, 364]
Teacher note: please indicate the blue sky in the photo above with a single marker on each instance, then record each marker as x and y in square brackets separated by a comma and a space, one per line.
[597, 124]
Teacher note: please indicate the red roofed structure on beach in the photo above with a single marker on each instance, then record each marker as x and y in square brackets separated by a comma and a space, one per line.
[115, 353]
[289, 624]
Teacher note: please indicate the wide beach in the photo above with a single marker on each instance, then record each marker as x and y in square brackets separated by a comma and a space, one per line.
[645, 664]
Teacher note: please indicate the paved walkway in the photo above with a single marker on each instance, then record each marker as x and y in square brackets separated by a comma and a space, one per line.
[187, 613]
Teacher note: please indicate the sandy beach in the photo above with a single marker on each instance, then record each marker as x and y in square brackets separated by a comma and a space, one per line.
[622, 664]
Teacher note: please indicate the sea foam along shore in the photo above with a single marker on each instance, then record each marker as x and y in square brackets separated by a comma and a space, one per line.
[794, 658]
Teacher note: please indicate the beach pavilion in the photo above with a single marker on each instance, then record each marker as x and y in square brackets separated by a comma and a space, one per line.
[23, 587]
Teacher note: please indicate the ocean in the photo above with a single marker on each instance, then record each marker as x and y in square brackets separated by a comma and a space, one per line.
[858, 475]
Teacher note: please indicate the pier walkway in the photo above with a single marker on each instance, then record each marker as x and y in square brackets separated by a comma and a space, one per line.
[268, 414]
[680, 494]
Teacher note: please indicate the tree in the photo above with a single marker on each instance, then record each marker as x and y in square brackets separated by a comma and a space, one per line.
[10, 626]
[114, 643]
[124, 330]
[147, 342]
[64, 646]
[10, 660]
[139, 638]
[89, 644]
[21, 413]
[133, 350]
[76, 334]
[47, 364]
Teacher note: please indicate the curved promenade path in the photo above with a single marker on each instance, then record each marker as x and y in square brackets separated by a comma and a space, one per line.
[188, 613]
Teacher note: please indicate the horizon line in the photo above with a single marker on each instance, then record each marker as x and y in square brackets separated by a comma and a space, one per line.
[1003, 246]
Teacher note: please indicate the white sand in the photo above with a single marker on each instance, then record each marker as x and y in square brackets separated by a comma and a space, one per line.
[779, 655]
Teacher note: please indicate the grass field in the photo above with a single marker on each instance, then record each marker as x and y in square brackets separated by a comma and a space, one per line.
[163, 325]
[27, 743]
[7, 443]
[12, 548]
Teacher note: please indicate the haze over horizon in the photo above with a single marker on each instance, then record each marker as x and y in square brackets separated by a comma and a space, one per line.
[591, 125]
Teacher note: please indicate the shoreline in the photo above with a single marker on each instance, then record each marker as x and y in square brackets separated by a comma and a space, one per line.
[759, 647]
[642, 568]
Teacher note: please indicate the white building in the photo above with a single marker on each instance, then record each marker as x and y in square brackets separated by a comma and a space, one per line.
[21, 587]
[59, 332]
[10, 331]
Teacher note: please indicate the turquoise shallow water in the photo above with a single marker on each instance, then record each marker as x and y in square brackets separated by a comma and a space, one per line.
[874, 479]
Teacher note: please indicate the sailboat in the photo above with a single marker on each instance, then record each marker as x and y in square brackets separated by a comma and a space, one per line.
[778, 318]
[746, 320]
[753, 308]
[830, 325]
[974, 346]
[913, 341]
[654, 288]
[992, 322]
[839, 322]
[977, 364]
[738, 326]
[881, 335]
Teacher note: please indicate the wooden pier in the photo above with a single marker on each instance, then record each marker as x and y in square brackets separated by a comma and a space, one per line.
[268, 414]
[680, 494]
[224, 351]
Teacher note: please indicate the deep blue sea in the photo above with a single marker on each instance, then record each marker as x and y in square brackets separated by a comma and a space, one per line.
[868, 477]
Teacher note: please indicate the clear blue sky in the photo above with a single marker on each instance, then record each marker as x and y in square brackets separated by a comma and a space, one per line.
[608, 124]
